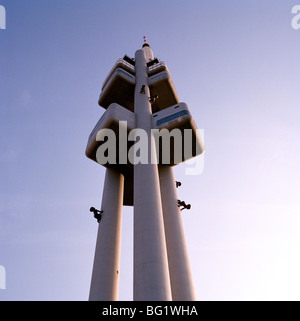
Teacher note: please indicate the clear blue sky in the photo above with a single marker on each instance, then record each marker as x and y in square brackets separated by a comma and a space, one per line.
[235, 63]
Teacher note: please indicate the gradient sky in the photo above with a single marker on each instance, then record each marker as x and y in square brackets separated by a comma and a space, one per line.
[235, 63]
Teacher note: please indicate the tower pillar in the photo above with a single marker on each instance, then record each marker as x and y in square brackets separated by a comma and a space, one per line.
[151, 275]
[178, 260]
[105, 275]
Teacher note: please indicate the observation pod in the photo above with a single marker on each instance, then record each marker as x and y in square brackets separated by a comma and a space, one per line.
[119, 85]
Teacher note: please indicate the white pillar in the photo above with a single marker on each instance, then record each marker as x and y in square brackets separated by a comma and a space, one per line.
[179, 265]
[148, 52]
[105, 276]
[151, 275]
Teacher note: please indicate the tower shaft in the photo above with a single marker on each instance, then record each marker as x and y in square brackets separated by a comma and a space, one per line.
[179, 265]
[105, 276]
[151, 276]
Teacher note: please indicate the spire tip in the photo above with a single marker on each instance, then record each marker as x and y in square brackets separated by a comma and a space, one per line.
[145, 43]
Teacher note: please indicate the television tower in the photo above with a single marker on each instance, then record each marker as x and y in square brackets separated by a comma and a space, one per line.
[140, 94]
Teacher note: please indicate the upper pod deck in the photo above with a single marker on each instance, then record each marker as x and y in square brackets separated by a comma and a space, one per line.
[119, 85]
[161, 84]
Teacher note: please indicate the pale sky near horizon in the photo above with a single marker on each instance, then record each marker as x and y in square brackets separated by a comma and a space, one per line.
[235, 64]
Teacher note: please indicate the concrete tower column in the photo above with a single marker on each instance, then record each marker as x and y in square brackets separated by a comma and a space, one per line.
[105, 276]
[179, 266]
[151, 275]
[148, 52]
